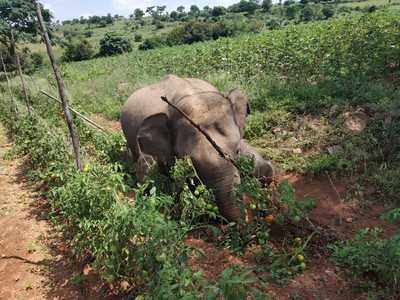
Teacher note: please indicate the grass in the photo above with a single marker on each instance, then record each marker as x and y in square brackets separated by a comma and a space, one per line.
[368, 3]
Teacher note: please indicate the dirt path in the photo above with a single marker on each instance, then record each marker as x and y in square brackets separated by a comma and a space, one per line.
[33, 261]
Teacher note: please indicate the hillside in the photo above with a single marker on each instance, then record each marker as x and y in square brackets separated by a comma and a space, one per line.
[324, 101]
[240, 19]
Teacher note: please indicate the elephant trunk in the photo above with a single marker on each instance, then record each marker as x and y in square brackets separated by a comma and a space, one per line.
[223, 184]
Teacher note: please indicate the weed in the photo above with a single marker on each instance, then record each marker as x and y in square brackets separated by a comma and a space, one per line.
[372, 256]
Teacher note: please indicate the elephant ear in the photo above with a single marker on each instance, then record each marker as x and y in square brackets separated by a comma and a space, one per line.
[154, 138]
[240, 106]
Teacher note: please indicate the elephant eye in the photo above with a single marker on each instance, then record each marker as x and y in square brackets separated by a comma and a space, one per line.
[219, 128]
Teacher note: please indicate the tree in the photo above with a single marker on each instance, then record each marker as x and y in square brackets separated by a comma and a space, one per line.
[77, 50]
[206, 12]
[150, 10]
[180, 9]
[181, 12]
[194, 11]
[307, 13]
[288, 2]
[291, 11]
[174, 15]
[108, 19]
[327, 12]
[244, 6]
[266, 5]
[218, 11]
[18, 22]
[113, 44]
[138, 14]
[161, 9]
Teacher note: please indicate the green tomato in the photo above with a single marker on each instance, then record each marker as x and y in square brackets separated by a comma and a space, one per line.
[300, 258]
[296, 219]
[161, 258]
[196, 193]
[253, 206]
[303, 266]
[210, 206]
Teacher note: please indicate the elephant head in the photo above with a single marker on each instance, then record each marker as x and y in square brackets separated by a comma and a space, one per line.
[168, 135]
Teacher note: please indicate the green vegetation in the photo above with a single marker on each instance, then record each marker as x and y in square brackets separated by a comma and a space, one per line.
[77, 50]
[303, 81]
[112, 44]
[369, 255]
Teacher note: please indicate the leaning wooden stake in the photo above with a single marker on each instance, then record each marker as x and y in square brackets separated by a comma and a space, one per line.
[61, 88]
[13, 103]
[95, 125]
[203, 132]
[21, 75]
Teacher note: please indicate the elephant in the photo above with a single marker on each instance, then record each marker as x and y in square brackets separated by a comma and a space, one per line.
[263, 169]
[158, 133]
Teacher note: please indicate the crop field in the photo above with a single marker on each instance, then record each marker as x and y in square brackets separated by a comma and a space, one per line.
[371, 2]
[325, 110]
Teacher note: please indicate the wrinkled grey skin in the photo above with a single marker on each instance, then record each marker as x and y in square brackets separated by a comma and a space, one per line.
[156, 133]
[263, 169]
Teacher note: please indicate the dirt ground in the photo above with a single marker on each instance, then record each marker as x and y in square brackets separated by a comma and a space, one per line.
[34, 262]
[335, 215]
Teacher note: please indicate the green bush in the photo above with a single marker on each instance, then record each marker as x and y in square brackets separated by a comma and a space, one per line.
[199, 31]
[89, 33]
[78, 50]
[30, 62]
[113, 44]
[372, 256]
[138, 38]
[159, 25]
[37, 59]
[152, 43]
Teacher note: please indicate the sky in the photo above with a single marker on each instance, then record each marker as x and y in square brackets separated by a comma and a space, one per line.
[69, 9]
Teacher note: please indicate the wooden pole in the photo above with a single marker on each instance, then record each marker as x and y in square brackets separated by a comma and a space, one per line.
[21, 75]
[61, 88]
[13, 103]
[202, 131]
[76, 112]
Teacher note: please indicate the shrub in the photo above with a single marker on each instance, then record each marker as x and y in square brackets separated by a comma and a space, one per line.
[244, 6]
[113, 44]
[78, 50]
[70, 33]
[138, 38]
[192, 32]
[371, 8]
[218, 11]
[152, 43]
[88, 33]
[368, 254]
[328, 12]
[273, 24]
[159, 24]
[37, 59]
